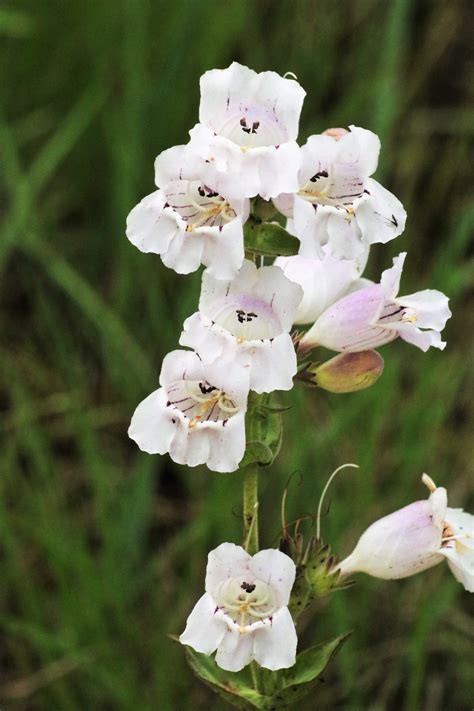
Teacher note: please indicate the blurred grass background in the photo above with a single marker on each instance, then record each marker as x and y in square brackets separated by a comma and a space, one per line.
[103, 548]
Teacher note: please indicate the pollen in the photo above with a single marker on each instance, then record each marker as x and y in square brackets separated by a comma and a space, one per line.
[189, 228]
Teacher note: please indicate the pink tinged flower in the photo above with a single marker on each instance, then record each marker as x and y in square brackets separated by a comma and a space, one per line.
[374, 315]
[323, 281]
[415, 538]
[187, 222]
[197, 415]
[248, 319]
[244, 612]
[338, 204]
[247, 131]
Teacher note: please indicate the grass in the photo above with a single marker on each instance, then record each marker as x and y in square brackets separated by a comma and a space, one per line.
[103, 548]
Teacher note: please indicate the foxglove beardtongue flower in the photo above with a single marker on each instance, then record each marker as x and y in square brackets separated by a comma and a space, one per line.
[323, 281]
[187, 222]
[247, 131]
[337, 203]
[415, 538]
[248, 319]
[197, 415]
[243, 613]
[374, 315]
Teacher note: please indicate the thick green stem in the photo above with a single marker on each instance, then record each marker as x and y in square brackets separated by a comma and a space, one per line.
[251, 508]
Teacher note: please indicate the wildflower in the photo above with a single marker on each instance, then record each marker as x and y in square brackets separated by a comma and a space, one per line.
[244, 611]
[247, 131]
[249, 319]
[197, 415]
[187, 222]
[375, 314]
[415, 538]
[337, 203]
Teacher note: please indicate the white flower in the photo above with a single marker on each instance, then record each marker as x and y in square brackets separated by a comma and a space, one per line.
[197, 415]
[248, 319]
[323, 281]
[415, 538]
[337, 203]
[187, 222]
[244, 611]
[247, 131]
[374, 315]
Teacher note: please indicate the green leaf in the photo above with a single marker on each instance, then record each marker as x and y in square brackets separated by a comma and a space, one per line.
[269, 239]
[257, 453]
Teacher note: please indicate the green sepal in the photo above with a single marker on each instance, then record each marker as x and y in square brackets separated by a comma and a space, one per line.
[277, 690]
[269, 239]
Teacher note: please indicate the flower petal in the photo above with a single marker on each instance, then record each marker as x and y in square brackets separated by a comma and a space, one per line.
[461, 562]
[276, 570]
[422, 339]
[431, 308]
[204, 631]
[227, 444]
[390, 279]
[152, 426]
[382, 217]
[275, 644]
[224, 562]
[150, 227]
[235, 650]
[273, 364]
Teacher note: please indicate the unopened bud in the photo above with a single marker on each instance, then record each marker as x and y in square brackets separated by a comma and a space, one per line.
[345, 373]
[335, 133]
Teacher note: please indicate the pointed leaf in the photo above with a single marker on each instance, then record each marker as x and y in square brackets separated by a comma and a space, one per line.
[269, 239]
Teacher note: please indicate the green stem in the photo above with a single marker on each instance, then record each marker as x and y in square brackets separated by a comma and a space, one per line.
[251, 508]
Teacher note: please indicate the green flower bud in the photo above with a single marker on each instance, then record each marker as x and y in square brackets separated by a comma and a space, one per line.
[345, 373]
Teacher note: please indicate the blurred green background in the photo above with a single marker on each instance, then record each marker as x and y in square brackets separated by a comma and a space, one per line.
[103, 548]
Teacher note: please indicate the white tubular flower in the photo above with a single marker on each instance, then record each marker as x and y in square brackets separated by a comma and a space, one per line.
[249, 319]
[374, 315]
[247, 131]
[197, 415]
[415, 538]
[244, 611]
[323, 281]
[187, 222]
[337, 203]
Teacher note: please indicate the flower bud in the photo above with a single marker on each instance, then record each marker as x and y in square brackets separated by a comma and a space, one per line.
[336, 133]
[346, 372]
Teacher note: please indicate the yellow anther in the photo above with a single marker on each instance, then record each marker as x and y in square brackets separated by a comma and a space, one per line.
[244, 149]
[189, 228]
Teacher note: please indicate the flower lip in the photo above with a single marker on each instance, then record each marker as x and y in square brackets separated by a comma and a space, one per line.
[245, 601]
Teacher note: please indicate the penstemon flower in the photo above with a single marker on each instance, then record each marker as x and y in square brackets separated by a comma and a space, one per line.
[337, 203]
[248, 319]
[323, 281]
[187, 222]
[415, 538]
[247, 131]
[197, 415]
[374, 315]
[244, 611]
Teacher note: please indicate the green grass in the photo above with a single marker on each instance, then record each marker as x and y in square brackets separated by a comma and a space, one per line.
[102, 547]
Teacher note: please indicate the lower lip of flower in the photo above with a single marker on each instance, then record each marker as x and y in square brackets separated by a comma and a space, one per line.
[245, 602]
[200, 402]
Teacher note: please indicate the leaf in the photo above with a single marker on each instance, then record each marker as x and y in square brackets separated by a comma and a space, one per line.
[269, 239]
[257, 453]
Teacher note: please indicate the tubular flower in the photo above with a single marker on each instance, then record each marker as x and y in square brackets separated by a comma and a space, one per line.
[244, 611]
[187, 222]
[323, 281]
[415, 538]
[338, 204]
[374, 315]
[197, 415]
[247, 131]
[248, 319]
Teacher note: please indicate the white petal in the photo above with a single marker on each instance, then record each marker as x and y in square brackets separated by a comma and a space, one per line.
[422, 339]
[204, 631]
[344, 235]
[273, 364]
[382, 217]
[198, 333]
[368, 149]
[397, 546]
[310, 227]
[461, 562]
[177, 163]
[348, 324]
[275, 643]
[430, 307]
[190, 446]
[227, 444]
[277, 570]
[150, 227]
[152, 426]
[223, 252]
[283, 295]
[184, 253]
[235, 651]
[224, 562]
[390, 279]
[462, 524]
[180, 365]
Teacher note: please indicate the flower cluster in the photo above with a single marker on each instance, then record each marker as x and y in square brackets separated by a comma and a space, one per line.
[242, 166]
[244, 148]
